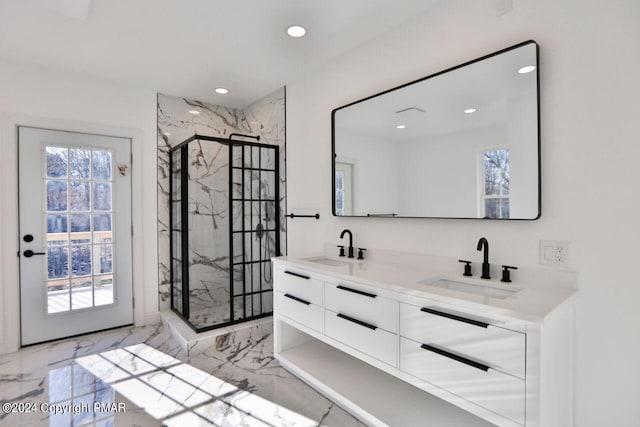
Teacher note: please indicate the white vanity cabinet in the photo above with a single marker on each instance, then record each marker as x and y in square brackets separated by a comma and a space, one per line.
[360, 318]
[478, 338]
[465, 354]
[299, 296]
[375, 342]
[362, 302]
[363, 345]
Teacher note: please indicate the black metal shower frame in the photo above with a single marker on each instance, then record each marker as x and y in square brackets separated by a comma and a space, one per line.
[184, 231]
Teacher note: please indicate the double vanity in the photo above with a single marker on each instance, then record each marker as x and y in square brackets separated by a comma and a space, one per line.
[384, 335]
[363, 331]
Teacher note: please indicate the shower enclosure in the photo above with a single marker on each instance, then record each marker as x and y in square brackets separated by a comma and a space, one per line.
[224, 222]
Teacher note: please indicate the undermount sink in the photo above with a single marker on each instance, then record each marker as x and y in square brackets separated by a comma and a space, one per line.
[481, 289]
[326, 261]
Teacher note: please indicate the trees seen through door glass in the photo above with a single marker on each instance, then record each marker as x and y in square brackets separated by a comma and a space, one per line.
[79, 225]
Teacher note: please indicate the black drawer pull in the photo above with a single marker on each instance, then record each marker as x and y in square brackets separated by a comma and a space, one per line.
[454, 317]
[297, 299]
[456, 357]
[302, 276]
[355, 291]
[359, 322]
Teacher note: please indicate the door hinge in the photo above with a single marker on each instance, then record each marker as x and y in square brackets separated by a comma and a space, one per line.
[133, 302]
[132, 230]
[131, 155]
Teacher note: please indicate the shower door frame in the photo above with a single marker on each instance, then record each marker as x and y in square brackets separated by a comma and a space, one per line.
[184, 236]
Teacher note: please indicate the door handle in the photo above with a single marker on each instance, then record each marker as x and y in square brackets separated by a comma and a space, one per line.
[29, 253]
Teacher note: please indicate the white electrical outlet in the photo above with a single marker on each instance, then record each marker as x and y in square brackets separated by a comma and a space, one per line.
[554, 253]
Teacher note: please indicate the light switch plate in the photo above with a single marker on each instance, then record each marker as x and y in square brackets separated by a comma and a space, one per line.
[554, 253]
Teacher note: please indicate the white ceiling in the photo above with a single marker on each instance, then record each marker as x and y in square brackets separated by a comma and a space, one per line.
[189, 47]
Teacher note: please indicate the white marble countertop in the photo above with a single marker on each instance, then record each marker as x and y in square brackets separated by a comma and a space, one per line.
[533, 302]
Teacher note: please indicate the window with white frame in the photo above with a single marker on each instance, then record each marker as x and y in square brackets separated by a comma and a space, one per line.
[494, 199]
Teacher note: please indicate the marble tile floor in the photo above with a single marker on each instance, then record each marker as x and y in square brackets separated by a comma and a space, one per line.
[235, 382]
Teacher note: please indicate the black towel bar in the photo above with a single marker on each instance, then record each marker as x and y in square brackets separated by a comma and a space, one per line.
[316, 216]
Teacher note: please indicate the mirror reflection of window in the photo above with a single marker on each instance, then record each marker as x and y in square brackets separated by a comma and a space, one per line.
[496, 177]
[344, 189]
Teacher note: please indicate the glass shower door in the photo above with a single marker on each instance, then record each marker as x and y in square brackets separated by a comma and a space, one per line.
[176, 235]
[224, 230]
[209, 233]
[255, 227]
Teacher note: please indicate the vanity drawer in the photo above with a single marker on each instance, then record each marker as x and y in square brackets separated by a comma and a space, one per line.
[502, 349]
[299, 283]
[362, 303]
[368, 339]
[300, 310]
[498, 392]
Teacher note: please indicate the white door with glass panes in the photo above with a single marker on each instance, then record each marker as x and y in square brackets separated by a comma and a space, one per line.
[75, 233]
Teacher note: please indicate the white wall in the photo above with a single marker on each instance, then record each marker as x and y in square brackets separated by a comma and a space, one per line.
[441, 175]
[590, 54]
[67, 102]
[523, 136]
[375, 170]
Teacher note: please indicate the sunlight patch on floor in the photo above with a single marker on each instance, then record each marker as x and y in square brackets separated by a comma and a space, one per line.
[176, 393]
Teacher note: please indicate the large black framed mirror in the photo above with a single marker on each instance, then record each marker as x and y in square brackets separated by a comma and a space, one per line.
[461, 143]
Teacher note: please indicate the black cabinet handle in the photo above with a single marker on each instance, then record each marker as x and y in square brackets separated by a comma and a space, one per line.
[454, 317]
[456, 357]
[297, 299]
[302, 276]
[29, 253]
[359, 322]
[355, 291]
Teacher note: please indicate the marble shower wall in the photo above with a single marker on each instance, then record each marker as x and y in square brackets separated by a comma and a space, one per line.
[208, 224]
[209, 209]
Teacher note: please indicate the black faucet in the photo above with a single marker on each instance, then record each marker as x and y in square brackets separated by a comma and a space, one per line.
[483, 243]
[350, 241]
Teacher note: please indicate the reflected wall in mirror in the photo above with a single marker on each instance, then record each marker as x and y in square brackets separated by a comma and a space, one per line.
[462, 143]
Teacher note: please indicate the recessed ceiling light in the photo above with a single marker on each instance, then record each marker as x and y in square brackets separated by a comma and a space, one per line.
[222, 91]
[167, 134]
[401, 126]
[296, 31]
[194, 112]
[527, 69]
[470, 110]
